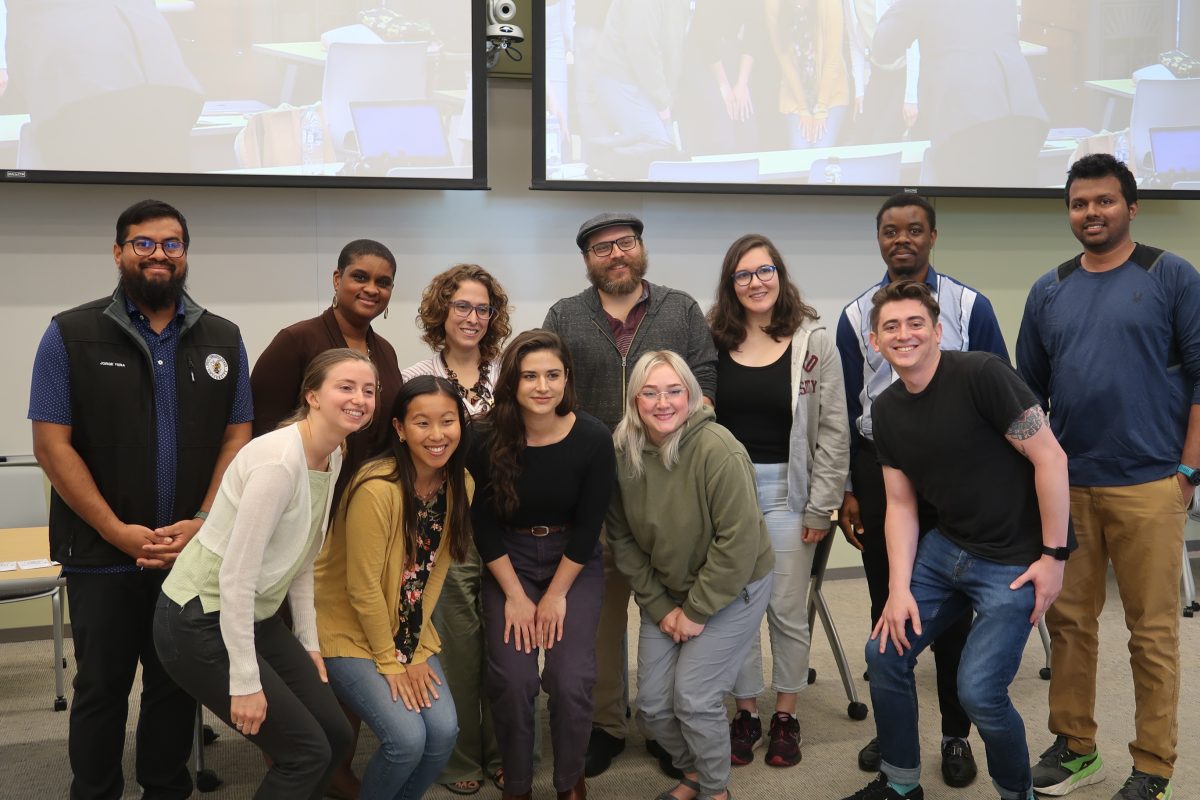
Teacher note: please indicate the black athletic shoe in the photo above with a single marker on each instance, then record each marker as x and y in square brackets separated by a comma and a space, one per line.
[878, 789]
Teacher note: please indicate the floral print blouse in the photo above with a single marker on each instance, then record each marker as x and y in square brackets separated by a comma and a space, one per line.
[431, 519]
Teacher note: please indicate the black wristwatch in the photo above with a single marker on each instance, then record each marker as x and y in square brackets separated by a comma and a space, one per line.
[1192, 474]
[1059, 553]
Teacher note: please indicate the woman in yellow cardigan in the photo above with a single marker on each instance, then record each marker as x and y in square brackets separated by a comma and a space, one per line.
[814, 94]
[404, 516]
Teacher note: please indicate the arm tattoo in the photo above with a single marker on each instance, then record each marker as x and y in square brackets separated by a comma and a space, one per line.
[1026, 425]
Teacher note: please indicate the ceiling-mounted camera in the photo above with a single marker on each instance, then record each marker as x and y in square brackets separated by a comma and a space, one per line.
[501, 33]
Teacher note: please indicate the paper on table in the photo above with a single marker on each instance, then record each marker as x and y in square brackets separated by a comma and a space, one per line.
[37, 563]
[7, 566]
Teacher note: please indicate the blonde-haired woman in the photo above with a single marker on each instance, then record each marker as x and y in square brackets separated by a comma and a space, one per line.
[685, 529]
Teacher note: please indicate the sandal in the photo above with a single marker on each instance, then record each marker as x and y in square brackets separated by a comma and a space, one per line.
[497, 778]
[685, 782]
[466, 787]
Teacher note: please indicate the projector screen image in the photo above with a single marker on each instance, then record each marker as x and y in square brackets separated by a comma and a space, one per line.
[956, 96]
[231, 91]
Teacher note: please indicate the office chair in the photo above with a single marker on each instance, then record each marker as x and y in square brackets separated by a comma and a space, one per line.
[375, 71]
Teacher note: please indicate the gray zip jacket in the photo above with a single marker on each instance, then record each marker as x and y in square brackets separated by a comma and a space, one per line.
[672, 322]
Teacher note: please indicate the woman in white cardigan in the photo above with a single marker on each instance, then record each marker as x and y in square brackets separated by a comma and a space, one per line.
[216, 628]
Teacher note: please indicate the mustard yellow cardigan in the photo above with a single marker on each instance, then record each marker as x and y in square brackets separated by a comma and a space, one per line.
[359, 573]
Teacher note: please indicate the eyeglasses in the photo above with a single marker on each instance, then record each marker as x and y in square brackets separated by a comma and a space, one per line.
[651, 396]
[463, 309]
[626, 243]
[172, 248]
[765, 273]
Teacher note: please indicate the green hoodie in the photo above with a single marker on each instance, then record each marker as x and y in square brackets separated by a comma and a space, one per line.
[692, 536]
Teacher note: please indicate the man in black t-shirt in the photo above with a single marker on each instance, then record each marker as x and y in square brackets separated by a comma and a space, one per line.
[962, 431]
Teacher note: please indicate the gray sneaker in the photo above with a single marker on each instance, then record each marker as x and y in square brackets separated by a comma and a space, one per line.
[1061, 771]
[1144, 786]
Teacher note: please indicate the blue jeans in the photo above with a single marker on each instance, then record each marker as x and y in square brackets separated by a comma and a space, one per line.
[946, 581]
[413, 746]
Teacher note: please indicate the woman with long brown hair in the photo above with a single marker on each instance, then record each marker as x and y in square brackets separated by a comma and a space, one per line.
[780, 393]
[545, 474]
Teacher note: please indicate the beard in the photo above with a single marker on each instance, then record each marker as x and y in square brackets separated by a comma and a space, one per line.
[632, 282]
[154, 295]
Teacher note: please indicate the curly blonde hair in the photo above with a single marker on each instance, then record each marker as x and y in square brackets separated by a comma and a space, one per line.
[435, 305]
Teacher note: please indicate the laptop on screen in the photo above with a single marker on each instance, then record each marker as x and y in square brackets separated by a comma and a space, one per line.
[1176, 153]
[400, 132]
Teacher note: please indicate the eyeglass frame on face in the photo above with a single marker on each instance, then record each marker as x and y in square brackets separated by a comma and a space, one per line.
[745, 276]
[463, 309]
[652, 395]
[607, 247]
[155, 245]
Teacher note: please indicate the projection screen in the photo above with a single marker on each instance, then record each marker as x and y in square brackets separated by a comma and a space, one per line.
[256, 92]
[978, 97]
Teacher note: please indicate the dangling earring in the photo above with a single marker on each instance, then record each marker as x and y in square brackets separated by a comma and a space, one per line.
[385, 312]
[334, 300]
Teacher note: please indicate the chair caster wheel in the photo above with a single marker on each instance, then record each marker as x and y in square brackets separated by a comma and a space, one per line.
[1044, 673]
[207, 780]
[812, 676]
[867, 676]
[1187, 612]
[210, 735]
[60, 704]
[857, 711]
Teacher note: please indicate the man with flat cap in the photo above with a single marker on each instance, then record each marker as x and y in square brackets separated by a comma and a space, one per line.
[607, 327]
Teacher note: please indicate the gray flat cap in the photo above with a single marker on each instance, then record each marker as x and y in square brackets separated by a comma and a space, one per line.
[606, 220]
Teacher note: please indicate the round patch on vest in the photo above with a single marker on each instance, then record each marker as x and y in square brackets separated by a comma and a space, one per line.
[216, 366]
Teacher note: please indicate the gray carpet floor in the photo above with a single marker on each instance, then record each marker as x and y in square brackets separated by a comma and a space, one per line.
[33, 748]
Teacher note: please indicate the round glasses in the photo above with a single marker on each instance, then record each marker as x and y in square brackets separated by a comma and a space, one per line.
[463, 309]
[172, 248]
[765, 273]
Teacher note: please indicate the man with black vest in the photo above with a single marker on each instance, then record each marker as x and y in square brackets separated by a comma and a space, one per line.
[139, 401]
[1110, 344]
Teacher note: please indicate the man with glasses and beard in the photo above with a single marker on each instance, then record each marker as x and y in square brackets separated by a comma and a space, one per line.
[607, 327]
[139, 401]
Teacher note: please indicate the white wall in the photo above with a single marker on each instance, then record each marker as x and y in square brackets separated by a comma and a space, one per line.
[263, 257]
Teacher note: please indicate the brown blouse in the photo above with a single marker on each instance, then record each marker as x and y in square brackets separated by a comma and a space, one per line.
[275, 383]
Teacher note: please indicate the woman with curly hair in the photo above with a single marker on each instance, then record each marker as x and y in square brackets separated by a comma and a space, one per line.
[545, 473]
[464, 316]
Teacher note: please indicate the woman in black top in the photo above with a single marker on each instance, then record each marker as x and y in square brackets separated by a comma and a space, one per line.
[544, 473]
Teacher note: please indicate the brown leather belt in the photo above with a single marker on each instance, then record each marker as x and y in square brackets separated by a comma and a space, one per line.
[539, 530]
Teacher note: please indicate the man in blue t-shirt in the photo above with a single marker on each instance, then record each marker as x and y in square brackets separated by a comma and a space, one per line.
[961, 431]
[1110, 344]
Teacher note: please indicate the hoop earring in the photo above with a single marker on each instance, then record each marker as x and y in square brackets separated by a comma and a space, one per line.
[334, 300]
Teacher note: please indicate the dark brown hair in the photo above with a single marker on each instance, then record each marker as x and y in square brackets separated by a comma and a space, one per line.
[435, 305]
[458, 517]
[904, 290]
[504, 424]
[727, 317]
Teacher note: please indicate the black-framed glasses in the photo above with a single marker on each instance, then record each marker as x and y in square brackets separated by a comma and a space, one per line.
[172, 248]
[463, 309]
[626, 243]
[765, 273]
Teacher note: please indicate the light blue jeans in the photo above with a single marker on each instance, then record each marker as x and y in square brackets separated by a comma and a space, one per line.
[413, 746]
[946, 581]
[787, 612]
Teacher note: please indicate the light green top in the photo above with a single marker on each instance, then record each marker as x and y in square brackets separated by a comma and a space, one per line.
[197, 570]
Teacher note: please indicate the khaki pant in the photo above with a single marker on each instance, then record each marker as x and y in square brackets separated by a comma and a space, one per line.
[1140, 530]
[609, 697]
